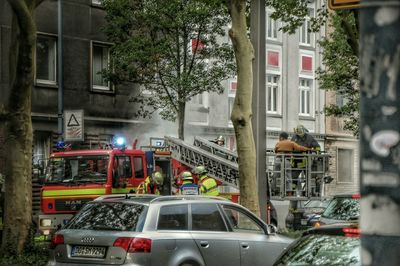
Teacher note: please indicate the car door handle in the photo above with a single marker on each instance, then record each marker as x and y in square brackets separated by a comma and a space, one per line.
[204, 244]
[245, 245]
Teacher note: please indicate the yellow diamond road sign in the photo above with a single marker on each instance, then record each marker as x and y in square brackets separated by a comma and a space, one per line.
[338, 4]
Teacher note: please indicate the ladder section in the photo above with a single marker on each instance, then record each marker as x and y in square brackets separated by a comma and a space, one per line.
[215, 149]
[221, 169]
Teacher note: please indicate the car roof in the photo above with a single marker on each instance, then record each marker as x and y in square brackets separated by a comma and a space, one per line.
[148, 199]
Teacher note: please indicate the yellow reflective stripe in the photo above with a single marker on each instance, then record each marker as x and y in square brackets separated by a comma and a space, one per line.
[75, 197]
[70, 192]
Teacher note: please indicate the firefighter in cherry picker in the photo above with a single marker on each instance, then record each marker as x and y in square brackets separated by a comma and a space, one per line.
[188, 186]
[207, 185]
[151, 185]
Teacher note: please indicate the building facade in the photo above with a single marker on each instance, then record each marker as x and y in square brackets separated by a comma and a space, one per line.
[293, 94]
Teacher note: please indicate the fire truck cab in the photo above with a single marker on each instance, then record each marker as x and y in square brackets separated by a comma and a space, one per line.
[73, 178]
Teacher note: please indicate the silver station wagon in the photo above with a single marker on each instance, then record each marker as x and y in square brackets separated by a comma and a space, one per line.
[167, 231]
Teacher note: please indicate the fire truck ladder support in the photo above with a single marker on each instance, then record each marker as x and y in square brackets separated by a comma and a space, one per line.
[282, 173]
[222, 169]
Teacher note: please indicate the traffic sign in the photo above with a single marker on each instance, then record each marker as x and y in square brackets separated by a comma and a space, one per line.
[341, 4]
[73, 125]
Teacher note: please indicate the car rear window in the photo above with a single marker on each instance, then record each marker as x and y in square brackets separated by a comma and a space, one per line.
[322, 250]
[173, 217]
[114, 216]
[343, 209]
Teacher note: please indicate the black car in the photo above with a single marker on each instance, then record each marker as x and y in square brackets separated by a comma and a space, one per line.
[337, 244]
[306, 214]
[341, 209]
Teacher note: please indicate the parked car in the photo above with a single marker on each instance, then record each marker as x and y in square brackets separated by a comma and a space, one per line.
[342, 208]
[306, 214]
[337, 244]
[166, 230]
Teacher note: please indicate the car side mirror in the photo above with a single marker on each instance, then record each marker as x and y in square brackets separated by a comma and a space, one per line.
[272, 229]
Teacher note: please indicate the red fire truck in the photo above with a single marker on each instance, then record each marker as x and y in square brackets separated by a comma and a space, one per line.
[73, 178]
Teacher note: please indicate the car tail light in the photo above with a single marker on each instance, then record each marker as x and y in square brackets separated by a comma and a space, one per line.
[133, 244]
[356, 196]
[351, 232]
[56, 240]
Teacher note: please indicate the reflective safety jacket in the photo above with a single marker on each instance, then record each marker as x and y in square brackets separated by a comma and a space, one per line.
[208, 186]
[189, 188]
[147, 187]
[306, 141]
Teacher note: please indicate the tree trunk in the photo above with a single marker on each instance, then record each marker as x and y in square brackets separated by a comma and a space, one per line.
[181, 120]
[18, 143]
[241, 113]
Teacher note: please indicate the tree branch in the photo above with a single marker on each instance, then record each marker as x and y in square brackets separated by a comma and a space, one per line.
[24, 17]
[352, 37]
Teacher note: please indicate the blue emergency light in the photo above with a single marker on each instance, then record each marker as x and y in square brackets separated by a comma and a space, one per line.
[119, 142]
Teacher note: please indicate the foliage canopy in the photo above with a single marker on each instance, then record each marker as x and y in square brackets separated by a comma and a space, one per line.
[173, 49]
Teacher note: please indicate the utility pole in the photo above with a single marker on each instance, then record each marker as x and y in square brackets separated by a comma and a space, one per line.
[380, 131]
[257, 36]
[60, 71]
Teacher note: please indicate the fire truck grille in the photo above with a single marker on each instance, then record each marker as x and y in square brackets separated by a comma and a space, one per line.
[70, 205]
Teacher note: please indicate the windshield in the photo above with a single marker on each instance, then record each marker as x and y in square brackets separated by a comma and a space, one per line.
[323, 250]
[113, 216]
[343, 209]
[77, 169]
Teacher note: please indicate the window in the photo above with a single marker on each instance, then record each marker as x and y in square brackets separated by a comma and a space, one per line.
[122, 165]
[75, 169]
[272, 27]
[100, 62]
[138, 167]
[341, 100]
[240, 221]
[305, 34]
[46, 59]
[206, 217]
[272, 93]
[231, 101]
[173, 217]
[305, 96]
[113, 216]
[345, 165]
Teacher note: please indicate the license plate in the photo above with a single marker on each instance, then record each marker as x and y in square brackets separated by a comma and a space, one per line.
[91, 252]
[303, 222]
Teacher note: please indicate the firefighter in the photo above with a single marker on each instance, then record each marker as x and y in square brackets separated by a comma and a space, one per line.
[207, 185]
[302, 138]
[188, 186]
[151, 184]
[285, 146]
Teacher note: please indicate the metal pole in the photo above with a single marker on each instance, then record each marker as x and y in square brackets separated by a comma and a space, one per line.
[60, 71]
[257, 35]
[380, 131]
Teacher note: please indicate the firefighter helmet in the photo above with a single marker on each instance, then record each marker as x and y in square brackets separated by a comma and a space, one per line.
[187, 176]
[200, 170]
[300, 130]
[158, 178]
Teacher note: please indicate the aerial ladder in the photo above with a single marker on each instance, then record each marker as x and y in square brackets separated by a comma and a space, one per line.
[285, 179]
